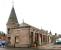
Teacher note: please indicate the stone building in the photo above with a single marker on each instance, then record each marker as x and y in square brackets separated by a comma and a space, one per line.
[54, 37]
[50, 37]
[24, 35]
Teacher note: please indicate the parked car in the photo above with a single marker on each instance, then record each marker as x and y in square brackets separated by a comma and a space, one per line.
[58, 41]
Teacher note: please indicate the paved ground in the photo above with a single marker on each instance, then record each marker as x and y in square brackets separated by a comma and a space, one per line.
[45, 47]
[50, 46]
[25, 49]
[17, 49]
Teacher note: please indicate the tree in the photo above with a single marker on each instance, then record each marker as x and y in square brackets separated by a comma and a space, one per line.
[2, 33]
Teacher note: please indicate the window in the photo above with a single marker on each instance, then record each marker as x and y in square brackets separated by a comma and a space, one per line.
[36, 36]
[9, 38]
[31, 37]
[8, 30]
[17, 39]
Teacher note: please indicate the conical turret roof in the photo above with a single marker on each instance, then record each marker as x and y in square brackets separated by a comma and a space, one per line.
[12, 17]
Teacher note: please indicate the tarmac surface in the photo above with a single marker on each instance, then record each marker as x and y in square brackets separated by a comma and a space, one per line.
[25, 49]
[51, 46]
[44, 47]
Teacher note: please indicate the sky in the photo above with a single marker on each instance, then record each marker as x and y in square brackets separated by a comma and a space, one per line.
[45, 14]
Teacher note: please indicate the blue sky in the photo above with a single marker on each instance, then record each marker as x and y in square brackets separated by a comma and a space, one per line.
[39, 13]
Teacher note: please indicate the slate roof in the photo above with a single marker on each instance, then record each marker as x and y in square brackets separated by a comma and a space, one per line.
[24, 24]
[12, 17]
